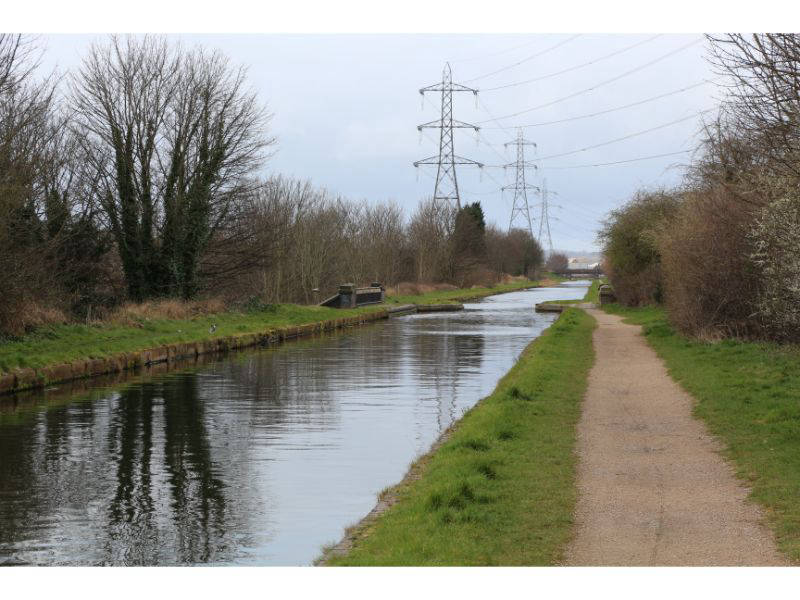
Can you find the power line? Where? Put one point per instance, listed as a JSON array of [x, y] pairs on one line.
[[493, 148], [620, 162], [526, 59], [574, 67], [492, 117], [561, 226], [584, 210], [506, 51], [597, 85], [581, 212], [609, 110], [472, 193], [626, 137], [490, 176], [619, 139]]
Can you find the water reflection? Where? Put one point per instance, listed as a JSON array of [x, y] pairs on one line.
[[259, 458]]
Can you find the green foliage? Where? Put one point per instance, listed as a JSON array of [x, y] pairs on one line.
[[467, 243], [747, 393], [475, 211], [630, 245], [501, 489], [255, 304]]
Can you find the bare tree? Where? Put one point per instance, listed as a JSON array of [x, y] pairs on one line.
[[763, 103], [28, 142], [173, 137], [429, 231], [18, 60], [557, 262]]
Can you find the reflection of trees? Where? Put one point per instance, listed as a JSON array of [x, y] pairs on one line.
[[446, 348], [167, 412], [130, 436], [288, 382], [33, 481], [154, 478], [198, 500], [17, 464]]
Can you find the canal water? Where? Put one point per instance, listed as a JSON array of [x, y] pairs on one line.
[[259, 458]]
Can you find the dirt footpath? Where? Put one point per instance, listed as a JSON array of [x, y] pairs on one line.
[[653, 489]]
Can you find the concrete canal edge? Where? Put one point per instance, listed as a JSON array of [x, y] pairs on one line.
[[28, 378], [549, 307], [406, 309]]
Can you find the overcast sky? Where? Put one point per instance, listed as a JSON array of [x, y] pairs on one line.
[[346, 109]]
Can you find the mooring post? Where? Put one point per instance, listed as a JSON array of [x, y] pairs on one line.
[[347, 295]]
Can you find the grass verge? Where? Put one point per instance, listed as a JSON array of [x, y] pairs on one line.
[[501, 489], [749, 396], [64, 343]]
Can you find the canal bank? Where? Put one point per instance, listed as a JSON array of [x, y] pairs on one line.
[[498, 488], [69, 352]]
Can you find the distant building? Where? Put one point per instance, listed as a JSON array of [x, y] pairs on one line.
[[581, 263]]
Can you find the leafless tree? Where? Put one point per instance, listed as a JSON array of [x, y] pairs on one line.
[[28, 142], [557, 262], [429, 231], [173, 137], [763, 93]]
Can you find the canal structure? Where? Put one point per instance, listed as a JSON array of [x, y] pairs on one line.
[[350, 296]]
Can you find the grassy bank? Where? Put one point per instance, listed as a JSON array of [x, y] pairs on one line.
[[463, 294], [500, 490], [749, 396], [64, 343]]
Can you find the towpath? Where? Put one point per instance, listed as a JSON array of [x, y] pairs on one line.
[[653, 488]]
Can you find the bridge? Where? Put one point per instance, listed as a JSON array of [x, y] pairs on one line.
[[580, 273]]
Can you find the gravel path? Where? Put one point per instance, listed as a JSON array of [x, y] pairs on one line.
[[653, 488]]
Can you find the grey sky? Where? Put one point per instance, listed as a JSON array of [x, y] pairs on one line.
[[346, 109]]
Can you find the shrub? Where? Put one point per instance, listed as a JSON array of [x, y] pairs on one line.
[[132, 314], [630, 244], [711, 283], [776, 240], [557, 263]]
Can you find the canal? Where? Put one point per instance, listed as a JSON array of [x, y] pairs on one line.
[[258, 458]]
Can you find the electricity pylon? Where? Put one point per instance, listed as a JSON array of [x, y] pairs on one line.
[[544, 219], [520, 204], [446, 182]]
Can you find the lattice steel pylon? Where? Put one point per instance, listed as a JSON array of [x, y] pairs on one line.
[[544, 219], [519, 206], [446, 181]]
